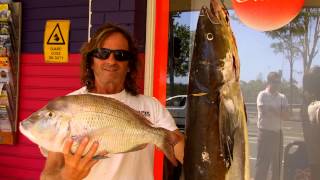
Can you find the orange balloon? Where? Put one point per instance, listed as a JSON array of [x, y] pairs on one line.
[[267, 15]]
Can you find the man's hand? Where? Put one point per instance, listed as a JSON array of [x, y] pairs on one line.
[[77, 167], [70, 166]]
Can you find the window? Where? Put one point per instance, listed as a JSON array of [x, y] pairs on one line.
[[260, 53]]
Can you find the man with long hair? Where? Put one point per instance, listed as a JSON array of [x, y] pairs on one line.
[[109, 68]]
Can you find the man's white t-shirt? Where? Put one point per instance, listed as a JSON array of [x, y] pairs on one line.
[[137, 165], [279, 102]]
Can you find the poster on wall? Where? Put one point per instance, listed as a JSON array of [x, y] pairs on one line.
[[10, 23]]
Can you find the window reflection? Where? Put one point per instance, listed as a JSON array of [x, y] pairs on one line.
[[291, 52]]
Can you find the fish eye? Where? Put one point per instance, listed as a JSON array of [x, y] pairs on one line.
[[50, 114], [210, 36]]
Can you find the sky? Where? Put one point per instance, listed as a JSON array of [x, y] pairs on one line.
[[255, 52]]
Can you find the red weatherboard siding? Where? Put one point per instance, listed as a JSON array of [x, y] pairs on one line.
[[39, 82]]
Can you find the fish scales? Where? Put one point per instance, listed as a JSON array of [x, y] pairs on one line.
[[115, 112], [117, 127], [216, 132]]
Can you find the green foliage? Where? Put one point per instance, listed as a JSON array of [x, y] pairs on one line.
[[181, 32], [251, 89], [286, 88], [298, 41], [179, 45], [178, 89]]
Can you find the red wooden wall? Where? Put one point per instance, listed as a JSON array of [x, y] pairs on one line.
[[39, 82]]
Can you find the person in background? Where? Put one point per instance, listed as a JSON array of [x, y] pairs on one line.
[[108, 68], [311, 85], [272, 110]]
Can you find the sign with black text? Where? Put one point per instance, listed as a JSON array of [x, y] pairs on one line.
[[56, 41]]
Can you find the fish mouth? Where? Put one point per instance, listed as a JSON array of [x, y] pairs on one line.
[[24, 130], [33, 138], [205, 11], [25, 124]]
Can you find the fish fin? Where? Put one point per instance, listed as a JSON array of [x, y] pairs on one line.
[[172, 138], [123, 106], [167, 145], [133, 111], [227, 128], [139, 147], [98, 157]]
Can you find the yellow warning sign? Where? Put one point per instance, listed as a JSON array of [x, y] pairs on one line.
[[56, 36], [56, 41]]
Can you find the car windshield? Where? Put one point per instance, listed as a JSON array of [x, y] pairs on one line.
[[178, 101]]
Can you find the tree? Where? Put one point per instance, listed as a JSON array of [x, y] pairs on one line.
[[251, 89], [179, 41], [287, 38], [298, 39], [309, 21], [301, 35]]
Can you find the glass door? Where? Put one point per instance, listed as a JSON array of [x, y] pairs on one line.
[[292, 52]]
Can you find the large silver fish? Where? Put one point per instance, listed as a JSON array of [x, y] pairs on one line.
[[117, 127], [216, 131]]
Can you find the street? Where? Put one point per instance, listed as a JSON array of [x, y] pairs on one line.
[[292, 131]]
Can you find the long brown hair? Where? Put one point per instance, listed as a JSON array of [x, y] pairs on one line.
[[87, 76]]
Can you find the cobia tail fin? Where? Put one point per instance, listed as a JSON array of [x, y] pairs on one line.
[[167, 143]]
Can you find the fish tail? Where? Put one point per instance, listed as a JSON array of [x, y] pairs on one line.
[[167, 143]]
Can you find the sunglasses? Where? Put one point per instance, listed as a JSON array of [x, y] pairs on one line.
[[104, 53]]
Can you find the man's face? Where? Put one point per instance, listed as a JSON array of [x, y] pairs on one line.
[[109, 71], [275, 84]]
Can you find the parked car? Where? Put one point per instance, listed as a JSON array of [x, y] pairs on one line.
[[177, 106]]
